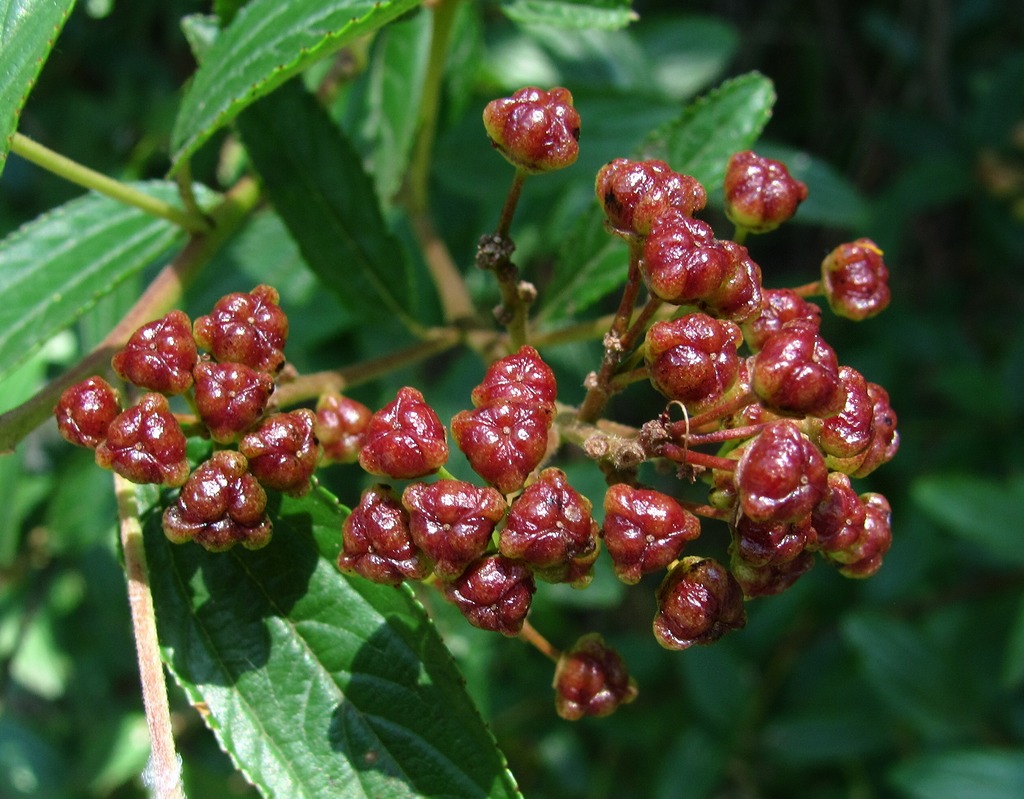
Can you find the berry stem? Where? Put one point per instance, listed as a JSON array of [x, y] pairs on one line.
[[160, 296], [511, 201], [730, 406], [685, 455], [623, 379], [164, 769], [678, 429], [739, 234], [62, 166], [535, 639], [707, 511], [809, 289]]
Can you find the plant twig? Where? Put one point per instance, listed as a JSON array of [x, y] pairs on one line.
[[163, 774], [81, 175]]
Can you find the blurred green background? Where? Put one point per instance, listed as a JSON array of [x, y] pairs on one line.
[[907, 121]]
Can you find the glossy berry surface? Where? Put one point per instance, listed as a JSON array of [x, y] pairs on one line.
[[503, 441], [771, 578], [85, 411], [839, 518], [160, 355], [796, 372], [405, 439], [848, 433], [220, 505], [549, 525], [856, 280], [780, 307], [230, 397], [862, 557], [452, 522], [283, 451], [760, 194], [739, 297], [534, 129], [781, 475], [699, 601], [520, 378], [247, 328], [591, 679], [494, 593], [693, 359], [340, 428], [145, 444], [634, 194], [883, 442], [682, 261], [771, 543], [376, 542], [644, 530]]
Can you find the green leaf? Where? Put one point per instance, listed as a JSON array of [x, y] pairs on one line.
[[317, 184], [316, 684], [713, 127], [57, 266], [571, 13], [28, 31], [266, 43], [978, 774], [984, 512]]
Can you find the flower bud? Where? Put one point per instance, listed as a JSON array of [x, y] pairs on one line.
[[535, 130], [591, 679], [856, 280], [760, 194], [699, 601]]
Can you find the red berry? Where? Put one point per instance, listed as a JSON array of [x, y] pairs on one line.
[[548, 526], [693, 359], [781, 475], [848, 433], [682, 261], [634, 194], [796, 372], [519, 378], [219, 506], [376, 542], [494, 593], [863, 556], [739, 297], [644, 530], [85, 411], [283, 451], [699, 601], [856, 280], [404, 439], [341, 424], [838, 520], [160, 356], [504, 441], [884, 438], [145, 444], [452, 522], [536, 130], [780, 307], [246, 328], [760, 194], [591, 679], [230, 397], [771, 578], [760, 544]]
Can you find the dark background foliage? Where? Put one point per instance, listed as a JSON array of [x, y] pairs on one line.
[[908, 684]]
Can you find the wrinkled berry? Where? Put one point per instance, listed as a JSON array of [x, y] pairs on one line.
[[796, 372], [376, 542], [848, 433], [760, 194], [85, 411], [549, 525], [856, 280], [591, 679], [699, 601], [340, 428], [452, 522], [160, 356], [404, 439], [535, 130], [518, 378], [635, 193], [838, 519], [884, 438], [739, 297], [504, 441], [283, 451], [145, 444], [230, 397], [644, 530], [771, 543], [246, 328], [682, 261], [771, 578], [220, 505], [781, 475], [780, 307], [693, 359], [494, 593], [863, 556]]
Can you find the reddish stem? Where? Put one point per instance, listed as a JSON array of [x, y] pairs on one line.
[[809, 289], [687, 456]]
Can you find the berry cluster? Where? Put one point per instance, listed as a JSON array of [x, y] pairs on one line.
[[224, 367]]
